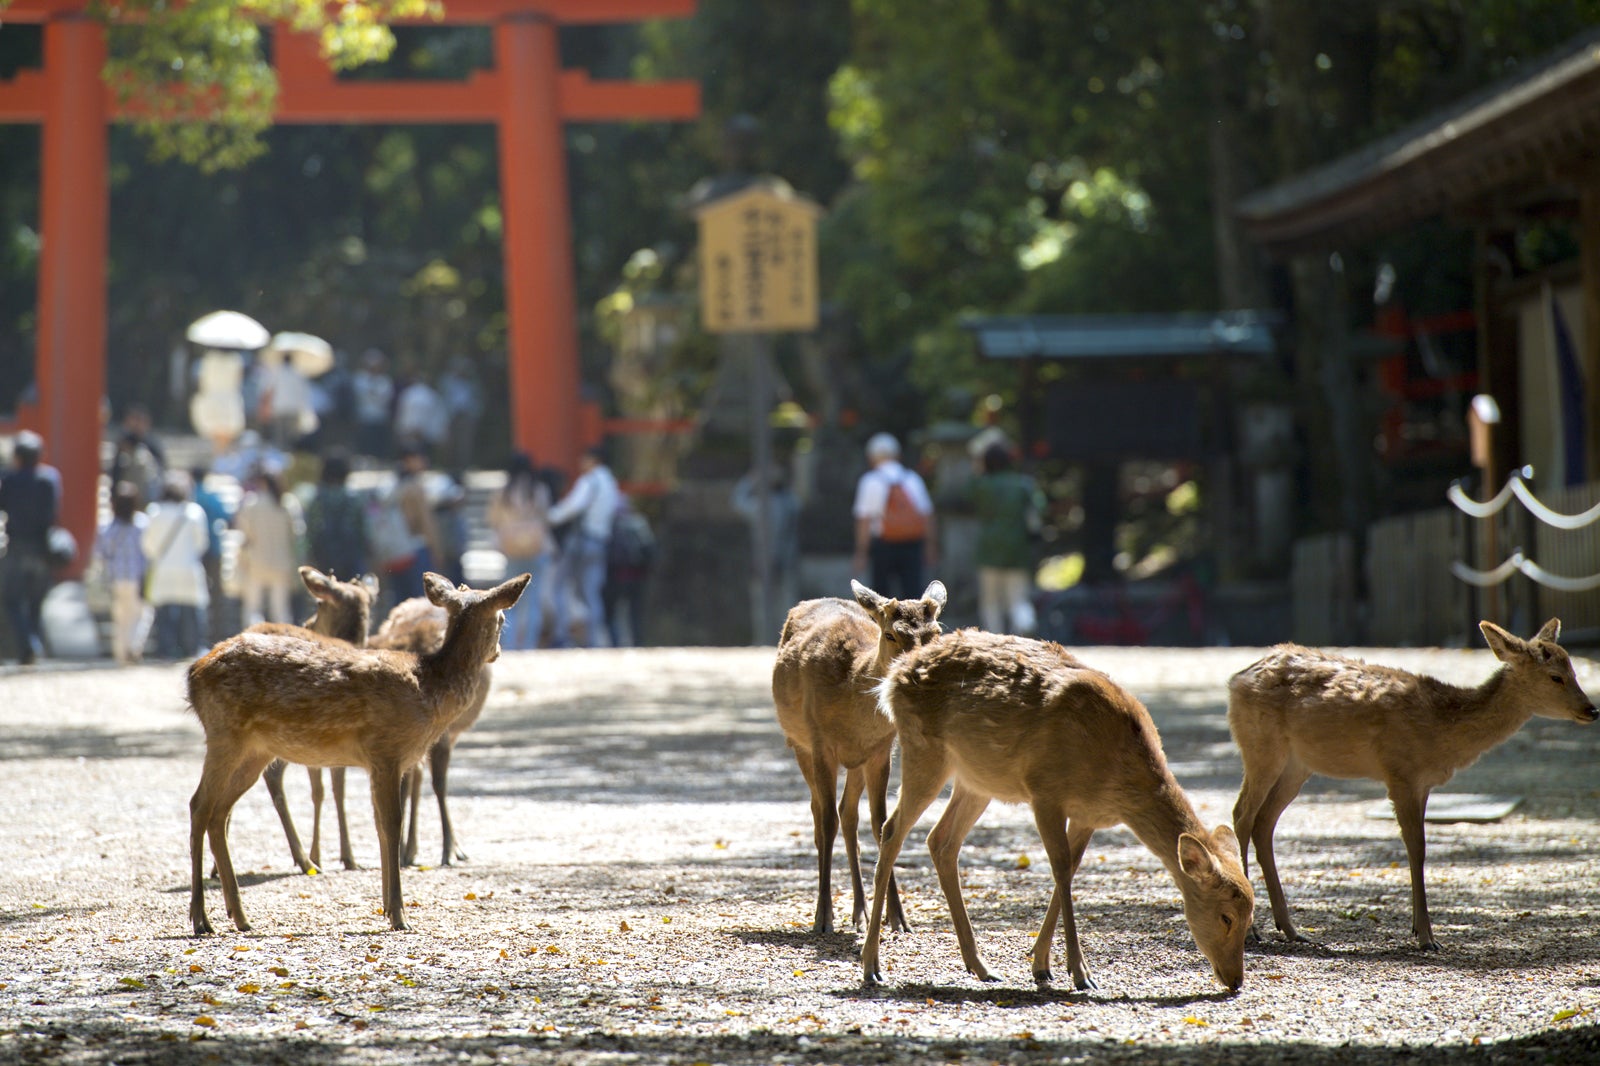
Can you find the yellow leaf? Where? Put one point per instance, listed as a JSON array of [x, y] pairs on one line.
[[190, 951], [131, 982], [279, 971], [734, 1013], [503, 954], [722, 845], [1192, 1020], [1570, 1012], [206, 1020], [799, 973], [195, 967], [625, 927], [301, 1023], [1023, 862], [241, 947], [372, 958], [248, 988], [666, 920], [209, 1000], [554, 950], [470, 895]]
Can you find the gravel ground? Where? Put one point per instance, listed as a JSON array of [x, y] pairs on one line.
[[641, 881]]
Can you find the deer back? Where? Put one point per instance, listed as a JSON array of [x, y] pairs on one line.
[[1020, 718]]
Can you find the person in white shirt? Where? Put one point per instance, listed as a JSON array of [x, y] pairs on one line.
[[896, 534], [591, 503]]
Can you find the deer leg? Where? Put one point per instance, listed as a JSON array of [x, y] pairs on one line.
[[439, 774], [347, 857], [386, 799], [923, 772], [1264, 762], [850, 828], [272, 777], [235, 784], [314, 775], [410, 792], [1283, 793], [1077, 840], [1410, 804], [821, 776], [877, 771], [214, 776], [944, 843]]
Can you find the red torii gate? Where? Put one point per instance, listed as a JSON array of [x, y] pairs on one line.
[[527, 96]]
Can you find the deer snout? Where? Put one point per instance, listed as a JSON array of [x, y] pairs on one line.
[[1231, 981], [1585, 715]]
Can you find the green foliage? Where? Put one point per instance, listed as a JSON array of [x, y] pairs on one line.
[[198, 74]]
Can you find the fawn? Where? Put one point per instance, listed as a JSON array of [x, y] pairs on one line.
[[831, 655], [416, 625], [344, 612], [1296, 712], [1023, 721], [261, 696]]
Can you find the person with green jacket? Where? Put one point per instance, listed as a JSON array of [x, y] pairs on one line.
[[1008, 506]]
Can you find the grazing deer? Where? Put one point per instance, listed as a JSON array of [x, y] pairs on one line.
[[1296, 712], [418, 626], [261, 696], [831, 655], [1022, 721], [344, 612]]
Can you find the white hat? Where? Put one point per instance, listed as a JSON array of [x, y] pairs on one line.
[[882, 446]]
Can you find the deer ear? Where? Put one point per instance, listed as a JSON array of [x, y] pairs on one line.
[[935, 594], [866, 597], [438, 588], [1222, 838], [1196, 860], [1551, 631], [1503, 644], [316, 582], [505, 594]]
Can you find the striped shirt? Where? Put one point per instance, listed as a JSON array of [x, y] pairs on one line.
[[117, 548]]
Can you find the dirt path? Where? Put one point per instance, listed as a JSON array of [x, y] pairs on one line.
[[640, 890]]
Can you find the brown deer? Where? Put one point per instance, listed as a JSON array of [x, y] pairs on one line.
[[831, 655], [1022, 721], [261, 696], [344, 612], [418, 626], [1296, 712]]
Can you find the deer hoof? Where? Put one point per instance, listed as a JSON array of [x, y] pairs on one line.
[[1085, 984], [871, 978], [1043, 977]]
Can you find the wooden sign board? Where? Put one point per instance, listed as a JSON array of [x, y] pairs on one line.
[[758, 262]]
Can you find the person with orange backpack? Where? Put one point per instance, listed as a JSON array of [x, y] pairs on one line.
[[895, 531]]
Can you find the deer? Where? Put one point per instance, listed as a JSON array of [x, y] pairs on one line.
[[1023, 721], [416, 625], [831, 655], [1296, 711], [261, 696], [344, 613]]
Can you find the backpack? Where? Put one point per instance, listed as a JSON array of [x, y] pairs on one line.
[[390, 544], [902, 522], [632, 545]]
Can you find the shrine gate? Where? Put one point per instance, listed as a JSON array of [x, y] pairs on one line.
[[527, 96]]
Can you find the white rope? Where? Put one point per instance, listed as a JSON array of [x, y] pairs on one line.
[[1547, 516], [1487, 578], [1544, 577], [1519, 563], [1480, 510]]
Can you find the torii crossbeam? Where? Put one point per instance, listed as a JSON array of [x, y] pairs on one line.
[[527, 96]]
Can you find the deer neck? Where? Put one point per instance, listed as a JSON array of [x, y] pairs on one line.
[[449, 674], [1160, 812], [880, 658], [1484, 716]]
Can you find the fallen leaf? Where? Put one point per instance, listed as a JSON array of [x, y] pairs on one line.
[[195, 967], [470, 895], [241, 947], [625, 927], [1023, 862], [665, 920], [730, 1012], [554, 950], [206, 1020], [1190, 1019], [376, 1007], [722, 845], [301, 1023], [249, 988], [279, 971], [1570, 1012], [131, 982]]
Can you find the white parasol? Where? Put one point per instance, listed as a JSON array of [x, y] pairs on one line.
[[227, 329], [310, 355]]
